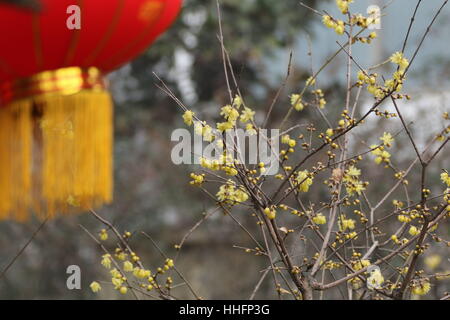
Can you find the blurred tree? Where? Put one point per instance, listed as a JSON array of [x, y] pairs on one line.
[[253, 30]]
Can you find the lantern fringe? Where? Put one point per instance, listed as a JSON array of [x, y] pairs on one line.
[[55, 154]]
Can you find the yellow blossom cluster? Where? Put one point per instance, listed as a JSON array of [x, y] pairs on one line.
[[320, 97], [286, 139], [204, 130], [197, 179], [351, 235], [310, 81], [447, 199], [367, 39], [363, 22], [345, 223], [343, 5], [330, 265], [119, 281], [270, 213], [408, 216], [390, 85], [399, 59], [133, 266], [229, 193], [421, 288], [319, 219], [106, 261], [103, 235], [352, 183], [250, 129], [303, 180], [247, 115], [445, 177], [224, 163], [413, 230], [379, 151], [296, 102], [371, 81], [337, 25], [188, 117], [359, 264], [230, 113]]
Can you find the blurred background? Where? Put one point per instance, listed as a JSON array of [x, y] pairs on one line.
[[153, 195]]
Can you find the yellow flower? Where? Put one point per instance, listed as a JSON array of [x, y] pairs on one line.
[[270, 213], [250, 129], [422, 288], [169, 263], [310, 81], [292, 143], [237, 102], [229, 113], [198, 127], [123, 290], [413, 231], [141, 273], [188, 117], [106, 261], [303, 180], [319, 219], [387, 139], [345, 224], [117, 282], [353, 171], [340, 27], [230, 194], [285, 139], [224, 126], [343, 5], [197, 179], [127, 266], [322, 103], [296, 102], [400, 60], [115, 273], [358, 265], [247, 115], [382, 155], [95, 286], [204, 130], [445, 178], [103, 235], [328, 21], [121, 255], [329, 132]]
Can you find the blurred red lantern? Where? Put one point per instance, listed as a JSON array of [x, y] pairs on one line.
[[55, 112]]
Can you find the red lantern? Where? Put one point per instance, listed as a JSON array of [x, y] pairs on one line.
[[55, 111]]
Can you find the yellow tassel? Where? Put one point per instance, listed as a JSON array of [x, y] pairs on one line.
[[15, 160], [56, 154]]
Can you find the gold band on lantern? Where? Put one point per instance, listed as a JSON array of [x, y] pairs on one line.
[[65, 81]]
